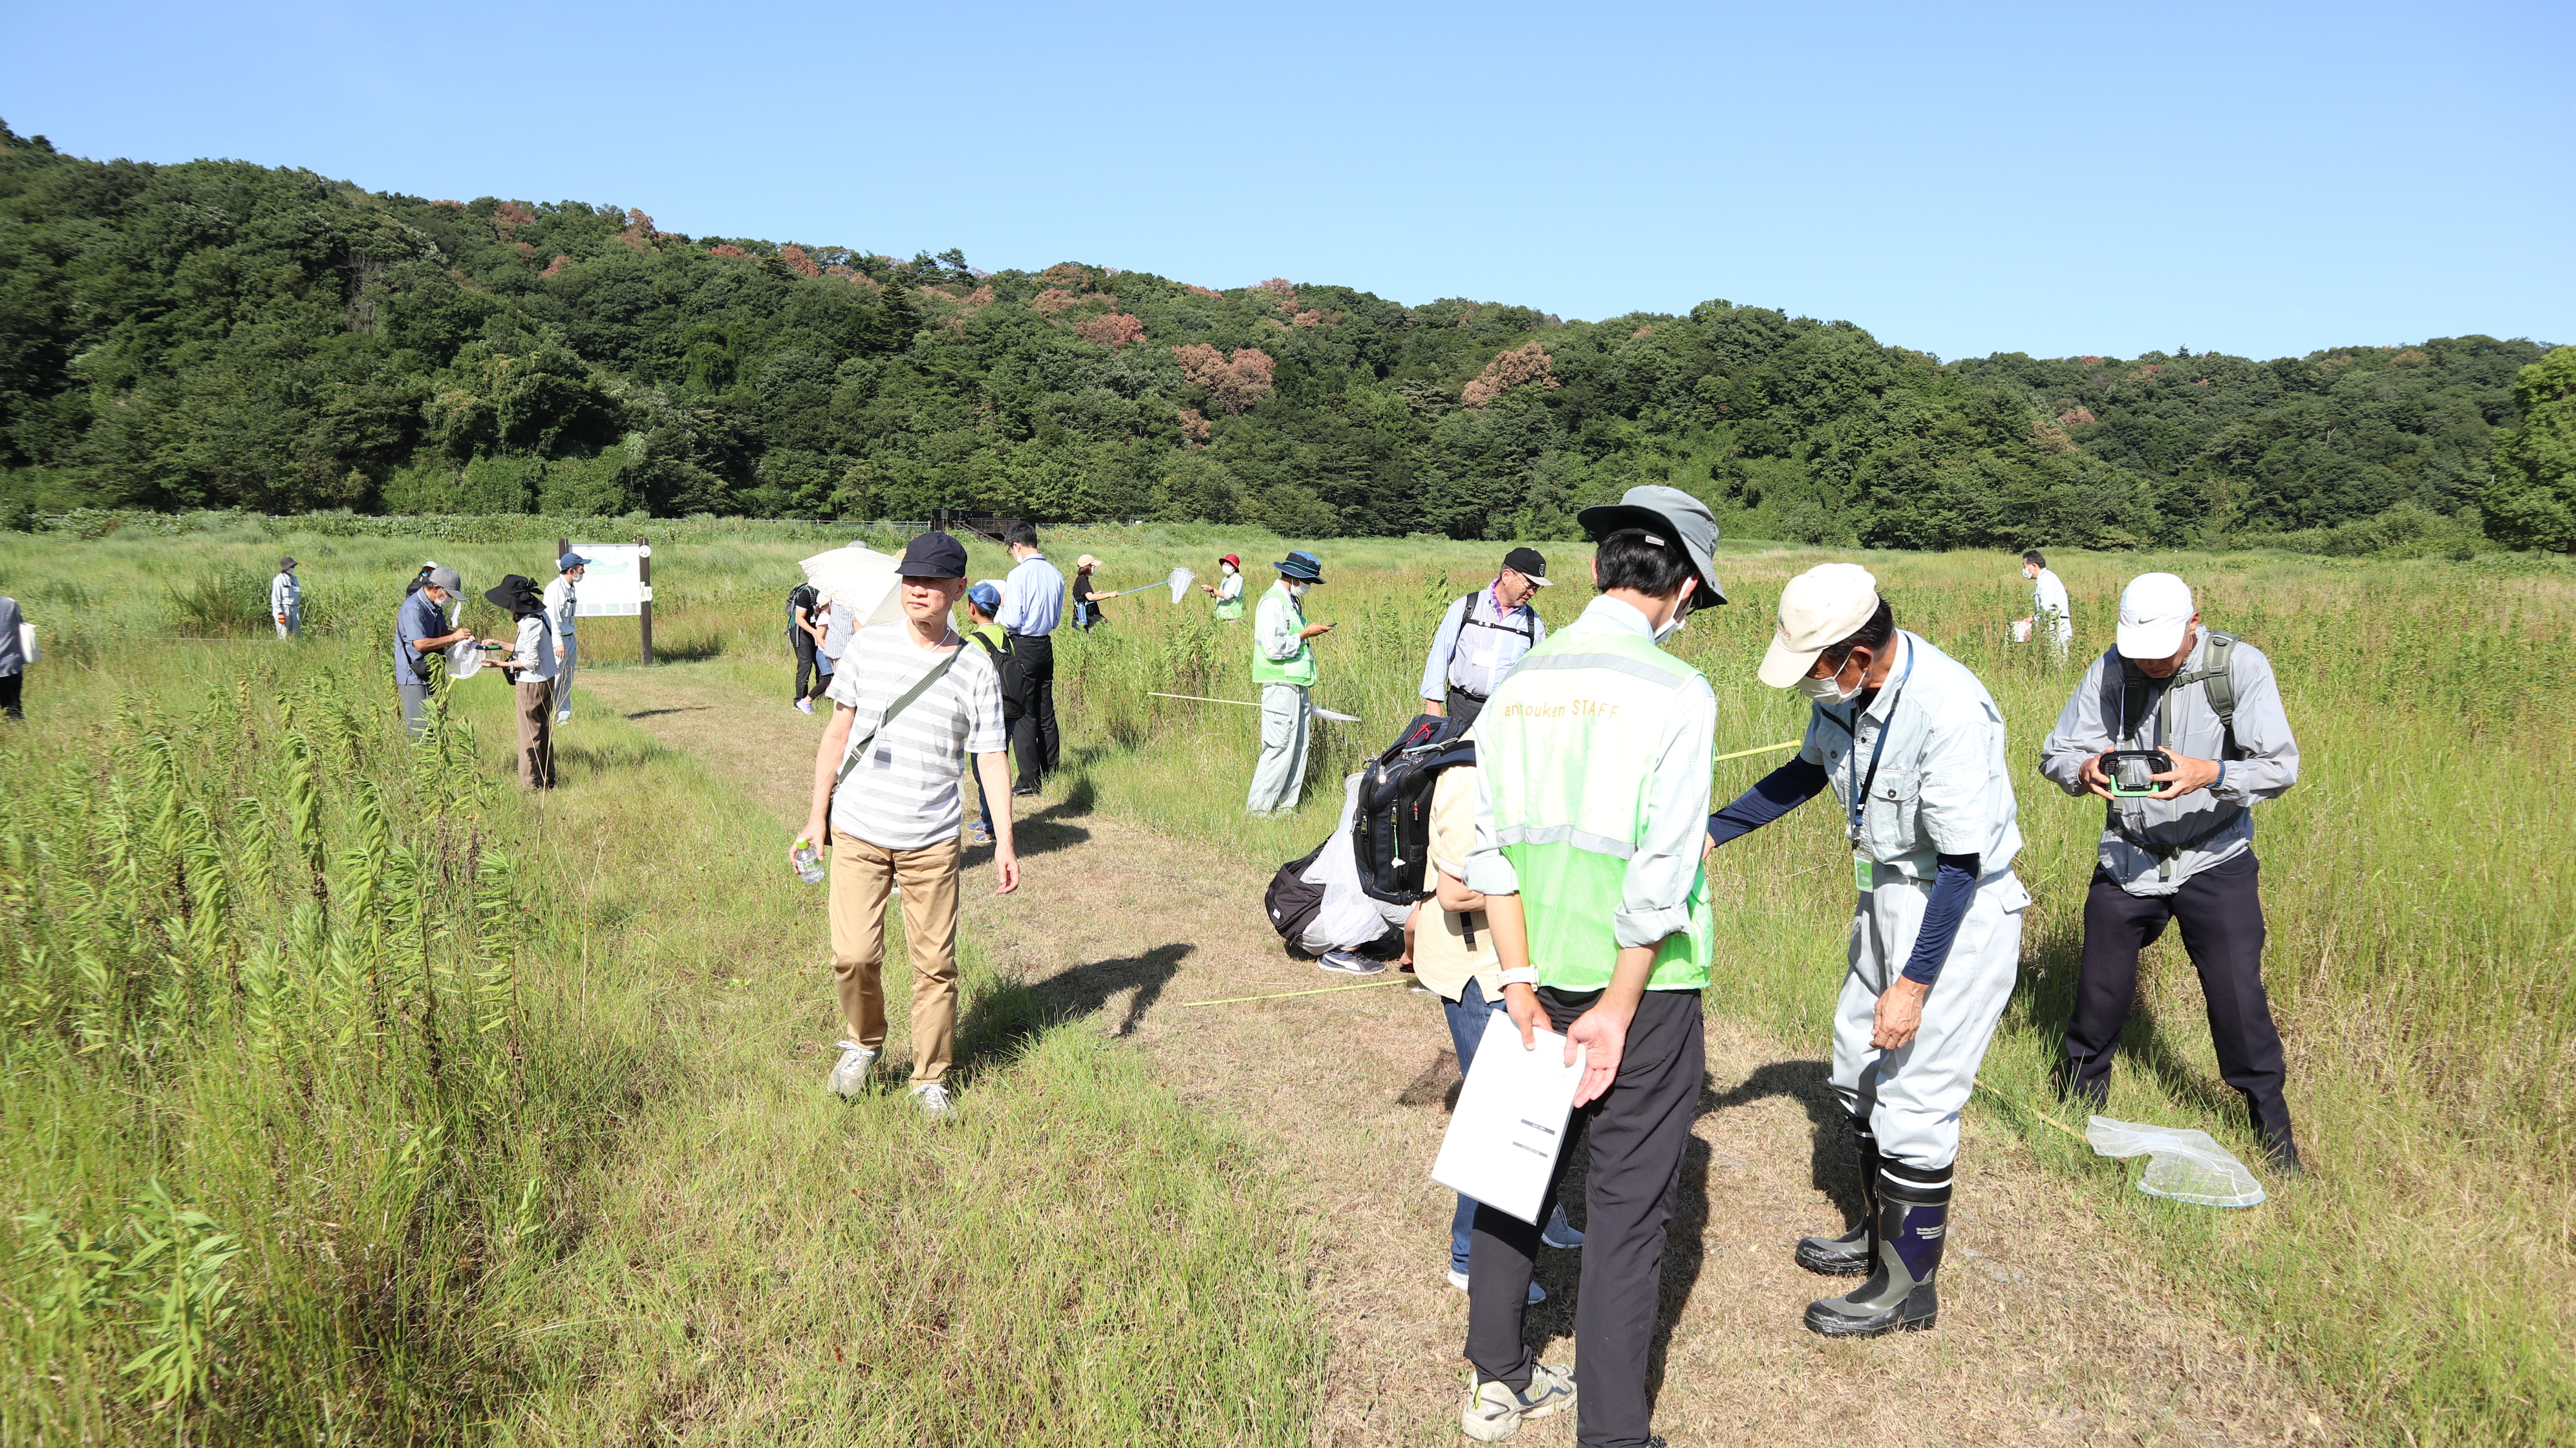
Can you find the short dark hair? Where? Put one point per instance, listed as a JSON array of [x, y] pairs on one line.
[[2031, 555], [1650, 563], [1872, 636], [1020, 535]]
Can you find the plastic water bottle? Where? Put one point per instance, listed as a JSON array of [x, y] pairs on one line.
[[809, 862]]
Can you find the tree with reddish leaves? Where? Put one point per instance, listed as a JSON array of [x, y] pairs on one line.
[[1236, 384], [509, 216], [726, 248], [798, 262], [1115, 330], [1195, 428], [1509, 369], [1281, 289], [1052, 301]]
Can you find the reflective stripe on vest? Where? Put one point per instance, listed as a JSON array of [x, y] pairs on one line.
[[1567, 747], [1299, 670]]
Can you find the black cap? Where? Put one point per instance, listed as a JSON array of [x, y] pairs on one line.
[[933, 555], [1528, 564]]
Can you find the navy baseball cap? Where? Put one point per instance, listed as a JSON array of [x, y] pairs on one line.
[[933, 555], [569, 562]]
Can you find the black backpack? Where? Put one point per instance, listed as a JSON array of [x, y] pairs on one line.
[[1013, 673], [802, 596], [1392, 835], [1290, 900]]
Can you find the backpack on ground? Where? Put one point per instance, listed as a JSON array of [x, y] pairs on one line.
[[1291, 902], [1392, 834]]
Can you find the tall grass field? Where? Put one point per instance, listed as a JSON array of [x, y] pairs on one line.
[[355, 1096]]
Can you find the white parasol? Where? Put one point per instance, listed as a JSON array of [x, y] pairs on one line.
[[861, 580]]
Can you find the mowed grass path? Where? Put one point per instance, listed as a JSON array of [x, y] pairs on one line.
[[2052, 1329]]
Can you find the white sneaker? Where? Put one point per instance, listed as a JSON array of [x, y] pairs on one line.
[[850, 1076], [1495, 1412], [932, 1098], [1559, 1233], [1458, 1280]]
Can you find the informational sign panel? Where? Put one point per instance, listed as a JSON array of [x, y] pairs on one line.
[[613, 585]]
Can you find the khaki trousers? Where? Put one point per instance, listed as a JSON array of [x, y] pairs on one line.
[[862, 876], [536, 733]]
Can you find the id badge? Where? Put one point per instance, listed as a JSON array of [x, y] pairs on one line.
[[1862, 872]]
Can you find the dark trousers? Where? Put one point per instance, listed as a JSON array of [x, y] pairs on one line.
[[1037, 661], [803, 643], [1636, 1134], [12, 687], [2221, 914], [1463, 706]]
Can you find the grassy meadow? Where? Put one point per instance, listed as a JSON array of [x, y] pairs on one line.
[[445, 1069], [357, 1097]]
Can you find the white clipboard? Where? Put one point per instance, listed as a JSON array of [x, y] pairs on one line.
[[1510, 1124]]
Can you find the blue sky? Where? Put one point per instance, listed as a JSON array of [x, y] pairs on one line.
[[2263, 179]]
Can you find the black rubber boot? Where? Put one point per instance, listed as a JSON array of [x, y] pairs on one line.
[[1852, 1253], [1913, 1223]]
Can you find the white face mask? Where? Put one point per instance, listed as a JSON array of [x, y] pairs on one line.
[[1681, 612], [1226, 568], [1298, 590], [1830, 691]]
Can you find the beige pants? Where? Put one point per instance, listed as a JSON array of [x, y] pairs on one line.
[[862, 876], [536, 733]]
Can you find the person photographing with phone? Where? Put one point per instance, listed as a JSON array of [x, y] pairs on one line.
[[1283, 664], [2179, 730], [910, 702]]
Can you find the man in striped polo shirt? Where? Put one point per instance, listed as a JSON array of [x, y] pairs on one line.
[[909, 704]]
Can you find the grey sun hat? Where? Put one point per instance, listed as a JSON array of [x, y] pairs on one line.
[[1659, 509]]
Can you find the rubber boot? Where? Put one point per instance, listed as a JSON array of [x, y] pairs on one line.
[[1913, 1219], [1852, 1253]]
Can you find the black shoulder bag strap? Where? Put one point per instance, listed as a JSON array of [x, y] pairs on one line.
[[859, 747]]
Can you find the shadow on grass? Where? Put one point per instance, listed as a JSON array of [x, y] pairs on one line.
[[1003, 1014], [1041, 833], [586, 761], [674, 709], [2044, 1002], [1833, 1166]]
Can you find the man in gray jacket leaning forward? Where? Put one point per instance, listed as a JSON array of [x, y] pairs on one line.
[[2186, 851]]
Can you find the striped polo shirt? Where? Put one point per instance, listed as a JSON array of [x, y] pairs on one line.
[[904, 794]]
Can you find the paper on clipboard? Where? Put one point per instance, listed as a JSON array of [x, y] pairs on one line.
[[1510, 1123]]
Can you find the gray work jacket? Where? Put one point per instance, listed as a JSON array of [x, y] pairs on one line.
[[13, 660], [2265, 766]]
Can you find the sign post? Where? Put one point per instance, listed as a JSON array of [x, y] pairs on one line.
[[619, 584]]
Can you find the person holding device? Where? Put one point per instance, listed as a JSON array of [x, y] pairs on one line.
[[910, 704], [2179, 730], [1591, 813], [1912, 746], [1283, 664]]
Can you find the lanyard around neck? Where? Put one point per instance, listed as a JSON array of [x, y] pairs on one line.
[[1861, 785]]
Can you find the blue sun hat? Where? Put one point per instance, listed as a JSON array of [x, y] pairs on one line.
[[1302, 566]]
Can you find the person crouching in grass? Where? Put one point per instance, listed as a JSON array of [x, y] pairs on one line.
[[910, 702]]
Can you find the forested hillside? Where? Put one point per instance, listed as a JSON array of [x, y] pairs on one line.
[[218, 334]]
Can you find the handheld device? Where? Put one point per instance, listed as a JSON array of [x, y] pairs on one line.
[[2129, 770]]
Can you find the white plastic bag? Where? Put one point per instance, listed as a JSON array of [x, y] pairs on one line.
[[2188, 1166], [2021, 631], [27, 641]]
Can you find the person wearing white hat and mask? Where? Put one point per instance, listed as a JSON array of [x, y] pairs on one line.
[[1591, 803], [1912, 747], [2186, 851]]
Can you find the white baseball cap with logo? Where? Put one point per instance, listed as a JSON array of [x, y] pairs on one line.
[[2155, 609], [1819, 609]]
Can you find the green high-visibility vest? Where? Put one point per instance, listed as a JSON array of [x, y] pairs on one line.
[[1567, 746], [1299, 670]]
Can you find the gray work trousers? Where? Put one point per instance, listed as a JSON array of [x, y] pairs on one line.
[[1636, 1134], [288, 624], [415, 699], [1286, 723], [567, 647]]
